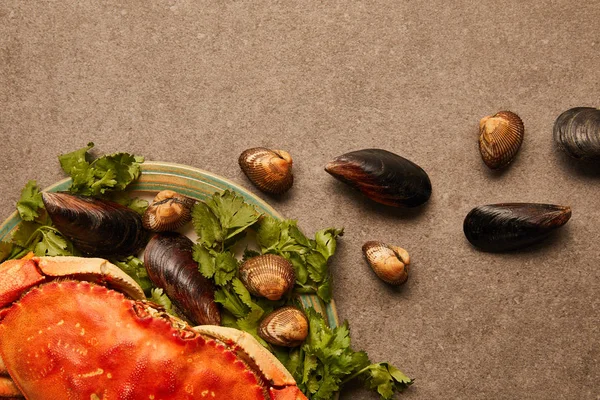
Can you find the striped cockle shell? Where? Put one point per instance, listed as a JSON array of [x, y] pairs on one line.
[[390, 263], [268, 275], [169, 211], [286, 326], [269, 170], [500, 137]]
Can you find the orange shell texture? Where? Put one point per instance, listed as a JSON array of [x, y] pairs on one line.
[[77, 340], [500, 138]]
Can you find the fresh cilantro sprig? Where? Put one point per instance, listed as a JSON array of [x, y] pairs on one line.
[[309, 256], [94, 177], [326, 361], [134, 267], [35, 232], [219, 223]]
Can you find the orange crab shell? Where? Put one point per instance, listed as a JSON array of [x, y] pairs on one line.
[[70, 339]]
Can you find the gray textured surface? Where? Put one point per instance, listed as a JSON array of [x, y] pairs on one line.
[[198, 82]]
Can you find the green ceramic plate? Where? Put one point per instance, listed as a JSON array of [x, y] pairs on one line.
[[193, 182]]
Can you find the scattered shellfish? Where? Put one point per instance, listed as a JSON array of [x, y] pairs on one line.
[[577, 132], [96, 227], [500, 138], [382, 176], [269, 170], [286, 326], [390, 263], [268, 275], [509, 226], [168, 212], [170, 265]]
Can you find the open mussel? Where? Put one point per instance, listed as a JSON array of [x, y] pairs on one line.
[[390, 263], [269, 170], [509, 226], [96, 227], [170, 265], [382, 176], [169, 211], [500, 138], [268, 275], [577, 132], [286, 326]]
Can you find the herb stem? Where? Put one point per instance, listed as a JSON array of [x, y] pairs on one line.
[[348, 379]]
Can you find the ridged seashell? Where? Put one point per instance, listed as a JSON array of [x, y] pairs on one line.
[[577, 132], [390, 263], [269, 170], [500, 138], [170, 265], [268, 275], [382, 176], [509, 226], [168, 212], [286, 326], [96, 227]]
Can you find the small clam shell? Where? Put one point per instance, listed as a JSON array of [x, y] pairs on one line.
[[510, 226], [269, 170], [382, 176], [168, 212], [286, 326], [577, 132], [390, 263], [500, 137], [268, 275]]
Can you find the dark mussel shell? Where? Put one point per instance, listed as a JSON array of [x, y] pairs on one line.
[[577, 132], [170, 265], [383, 176], [96, 227], [510, 226]]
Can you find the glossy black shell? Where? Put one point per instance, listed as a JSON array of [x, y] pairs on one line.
[[382, 176], [98, 228], [577, 132], [510, 226], [170, 266]]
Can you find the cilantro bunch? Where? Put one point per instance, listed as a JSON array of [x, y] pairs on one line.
[[326, 360]]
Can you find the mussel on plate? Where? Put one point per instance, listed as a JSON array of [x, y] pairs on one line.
[[286, 326], [99, 228], [510, 226], [500, 138], [270, 170], [577, 132], [382, 176], [170, 265]]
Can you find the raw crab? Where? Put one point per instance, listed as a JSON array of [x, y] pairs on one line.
[[90, 335]]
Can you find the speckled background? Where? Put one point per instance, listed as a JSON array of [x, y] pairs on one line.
[[196, 83]]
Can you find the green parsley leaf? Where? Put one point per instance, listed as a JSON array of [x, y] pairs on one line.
[[231, 302], [205, 260], [108, 173], [226, 266], [30, 202], [233, 213], [52, 243], [206, 224], [159, 297], [251, 322], [134, 267]]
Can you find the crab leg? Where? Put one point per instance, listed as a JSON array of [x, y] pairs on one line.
[[8, 388]]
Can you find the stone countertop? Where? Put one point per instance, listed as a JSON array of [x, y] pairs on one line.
[[197, 83]]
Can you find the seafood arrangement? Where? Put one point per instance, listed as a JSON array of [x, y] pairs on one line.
[[166, 318]]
